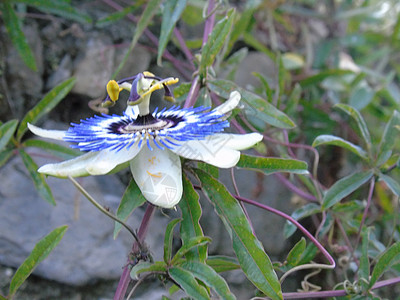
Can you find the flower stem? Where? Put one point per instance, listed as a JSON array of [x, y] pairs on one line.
[[125, 277], [103, 210]]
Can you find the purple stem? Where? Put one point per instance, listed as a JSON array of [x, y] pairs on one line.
[[296, 223], [209, 25], [295, 189], [125, 277], [184, 48], [371, 191], [193, 93], [177, 63]]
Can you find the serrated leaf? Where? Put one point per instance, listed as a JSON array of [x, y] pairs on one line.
[[388, 258], [56, 149], [6, 132], [393, 185], [188, 283], [50, 100], [41, 250], [304, 211], [215, 42], [132, 199], [144, 21], [60, 8], [37, 178], [344, 187], [255, 105], [168, 239], [17, 36], [146, 266], [190, 224], [192, 243], [221, 263], [390, 134], [254, 261], [270, 165], [211, 278], [295, 254], [173, 10], [337, 141], [360, 122]]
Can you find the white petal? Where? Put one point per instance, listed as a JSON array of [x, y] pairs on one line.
[[212, 150], [238, 141], [50, 134], [107, 160], [75, 167], [230, 104], [91, 163], [158, 174], [132, 111]]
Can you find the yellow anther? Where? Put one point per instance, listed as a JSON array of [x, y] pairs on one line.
[[155, 87], [147, 73], [113, 90], [169, 99], [170, 81]]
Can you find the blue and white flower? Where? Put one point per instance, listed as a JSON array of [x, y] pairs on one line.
[[150, 143]]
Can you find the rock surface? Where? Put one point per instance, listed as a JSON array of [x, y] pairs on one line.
[[87, 252]]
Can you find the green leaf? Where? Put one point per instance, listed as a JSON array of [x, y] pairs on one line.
[[270, 165], [17, 36], [211, 278], [390, 134], [295, 254], [315, 79], [173, 10], [38, 179], [393, 185], [361, 125], [337, 141], [388, 258], [168, 239], [144, 21], [255, 105], [50, 100], [345, 187], [308, 254], [194, 242], [210, 169], [188, 283], [6, 132], [5, 156], [56, 149], [106, 21], [221, 263], [190, 224], [254, 261], [41, 250], [363, 271], [132, 199], [215, 42], [146, 266], [60, 8], [304, 211]]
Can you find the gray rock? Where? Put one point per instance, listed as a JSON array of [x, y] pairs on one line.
[[259, 63], [87, 252], [138, 61], [63, 72], [93, 68]]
